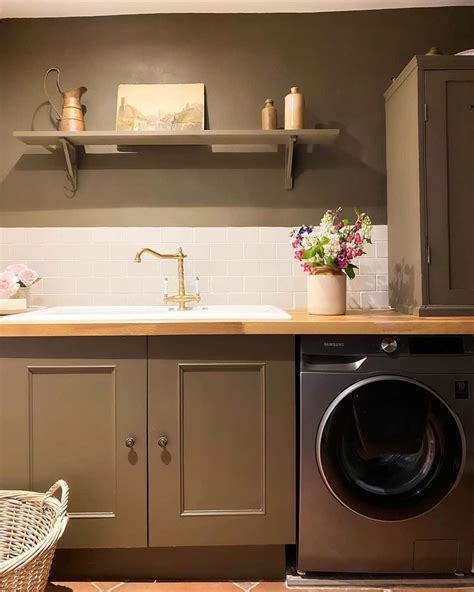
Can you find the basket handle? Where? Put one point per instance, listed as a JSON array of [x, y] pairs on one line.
[[63, 500]]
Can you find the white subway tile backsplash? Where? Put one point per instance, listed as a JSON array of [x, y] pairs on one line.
[[292, 284], [260, 284], [245, 298], [379, 232], [274, 268], [362, 282], [58, 252], [271, 234], [373, 265], [374, 299], [220, 285], [381, 249], [236, 265], [242, 234], [243, 268], [283, 300], [382, 283], [94, 286], [353, 299], [260, 251], [208, 235], [230, 252]]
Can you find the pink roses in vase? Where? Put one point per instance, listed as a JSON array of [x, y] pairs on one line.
[[14, 277]]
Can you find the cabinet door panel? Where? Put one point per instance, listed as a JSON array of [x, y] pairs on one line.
[[68, 406], [226, 406], [222, 429], [62, 402], [450, 185]]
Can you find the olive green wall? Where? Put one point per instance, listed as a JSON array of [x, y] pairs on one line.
[[342, 61]]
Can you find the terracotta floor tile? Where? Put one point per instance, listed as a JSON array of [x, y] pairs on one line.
[[178, 587], [270, 587], [71, 587]]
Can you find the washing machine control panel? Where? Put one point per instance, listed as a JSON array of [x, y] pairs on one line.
[[389, 345]]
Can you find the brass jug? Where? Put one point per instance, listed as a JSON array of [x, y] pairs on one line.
[[71, 117]]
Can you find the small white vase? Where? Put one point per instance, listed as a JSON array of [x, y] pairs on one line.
[[327, 292]]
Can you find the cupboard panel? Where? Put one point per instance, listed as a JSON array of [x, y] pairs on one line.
[[68, 406], [449, 185], [222, 432], [226, 406]]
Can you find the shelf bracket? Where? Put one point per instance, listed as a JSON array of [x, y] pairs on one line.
[[290, 149], [70, 159]]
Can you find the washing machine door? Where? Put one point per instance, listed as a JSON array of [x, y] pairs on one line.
[[390, 448]]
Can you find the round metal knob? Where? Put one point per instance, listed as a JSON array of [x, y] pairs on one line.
[[130, 442], [389, 345], [162, 442]]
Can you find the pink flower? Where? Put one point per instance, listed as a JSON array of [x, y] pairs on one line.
[[357, 239], [342, 262], [16, 268], [28, 277], [8, 284]]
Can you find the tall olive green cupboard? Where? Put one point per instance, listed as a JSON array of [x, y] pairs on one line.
[[430, 186]]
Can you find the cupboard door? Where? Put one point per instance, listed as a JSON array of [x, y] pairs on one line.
[[226, 406], [449, 96], [68, 406]]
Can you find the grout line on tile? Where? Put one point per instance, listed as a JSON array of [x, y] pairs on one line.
[[116, 586], [238, 586]]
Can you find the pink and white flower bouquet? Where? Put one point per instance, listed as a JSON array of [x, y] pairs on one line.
[[14, 277], [334, 245]]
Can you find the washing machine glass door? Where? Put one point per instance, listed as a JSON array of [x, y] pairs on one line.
[[390, 448]]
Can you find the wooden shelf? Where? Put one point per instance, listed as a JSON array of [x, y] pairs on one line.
[[69, 142]]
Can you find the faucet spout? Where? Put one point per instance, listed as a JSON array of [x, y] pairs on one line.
[[181, 299], [178, 255]]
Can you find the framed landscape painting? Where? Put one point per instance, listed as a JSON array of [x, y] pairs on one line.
[[154, 107]]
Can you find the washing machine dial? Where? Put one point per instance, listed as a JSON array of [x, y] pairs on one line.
[[389, 345]]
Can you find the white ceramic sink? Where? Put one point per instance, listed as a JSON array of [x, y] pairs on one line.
[[148, 314]]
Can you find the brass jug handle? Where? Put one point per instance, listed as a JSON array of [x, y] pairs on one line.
[[57, 84]]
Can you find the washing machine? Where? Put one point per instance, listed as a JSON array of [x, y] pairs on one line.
[[385, 454]]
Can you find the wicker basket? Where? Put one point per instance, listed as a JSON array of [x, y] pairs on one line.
[[31, 525]]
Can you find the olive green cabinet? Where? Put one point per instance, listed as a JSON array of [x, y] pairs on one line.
[[221, 440], [195, 448], [430, 180], [67, 408]]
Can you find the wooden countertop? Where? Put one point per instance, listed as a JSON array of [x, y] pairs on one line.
[[353, 323]]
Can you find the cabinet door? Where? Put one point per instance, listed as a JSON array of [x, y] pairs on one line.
[[226, 406], [68, 405], [449, 96]]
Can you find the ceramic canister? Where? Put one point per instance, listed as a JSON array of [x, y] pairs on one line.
[[269, 116], [327, 293], [294, 109]]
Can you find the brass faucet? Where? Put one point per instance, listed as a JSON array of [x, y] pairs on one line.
[[181, 298]]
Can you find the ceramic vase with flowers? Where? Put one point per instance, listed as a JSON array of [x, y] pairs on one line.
[[15, 283], [327, 255]]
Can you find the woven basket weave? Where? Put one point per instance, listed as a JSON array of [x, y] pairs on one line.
[[31, 525]]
